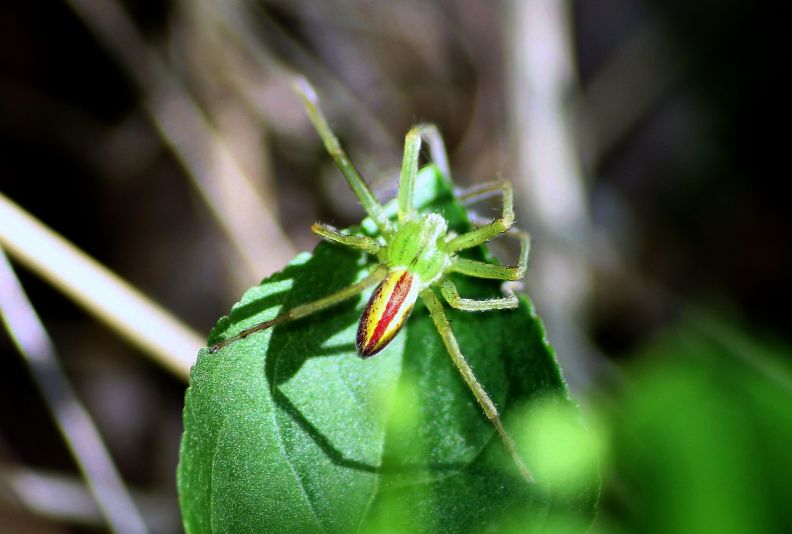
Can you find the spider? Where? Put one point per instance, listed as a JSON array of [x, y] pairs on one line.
[[414, 254]]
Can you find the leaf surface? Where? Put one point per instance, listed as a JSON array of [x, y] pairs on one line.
[[289, 430]]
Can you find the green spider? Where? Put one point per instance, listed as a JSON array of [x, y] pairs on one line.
[[414, 253]]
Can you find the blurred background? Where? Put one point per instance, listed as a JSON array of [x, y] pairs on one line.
[[162, 139]]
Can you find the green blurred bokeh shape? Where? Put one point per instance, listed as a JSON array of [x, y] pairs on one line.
[[701, 438]]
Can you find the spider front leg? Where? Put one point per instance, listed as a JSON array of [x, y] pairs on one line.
[[496, 227], [449, 340], [367, 199], [374, 277], [480, 269], [412, 151], [364, 243]]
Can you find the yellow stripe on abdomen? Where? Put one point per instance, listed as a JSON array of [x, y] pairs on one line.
[[386, 312]]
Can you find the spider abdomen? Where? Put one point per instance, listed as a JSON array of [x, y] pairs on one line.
[[387, 311]]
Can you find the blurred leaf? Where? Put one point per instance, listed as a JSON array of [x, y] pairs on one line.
[[563, 453], [289, 431], [702, 439]]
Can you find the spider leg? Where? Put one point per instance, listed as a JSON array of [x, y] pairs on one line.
[[475, 193], [412, 150], [373, 278], [450, 293], [449, 340], [496, 227], [367, 199], [437, 150], [363, 243], [480, 269]]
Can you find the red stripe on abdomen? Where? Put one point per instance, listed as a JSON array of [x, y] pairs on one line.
[[395, 302]]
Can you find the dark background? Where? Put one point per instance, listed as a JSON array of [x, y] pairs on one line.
[[685, 210]]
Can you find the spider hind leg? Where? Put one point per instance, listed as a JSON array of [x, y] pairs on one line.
[[451, 295], [482, 398]]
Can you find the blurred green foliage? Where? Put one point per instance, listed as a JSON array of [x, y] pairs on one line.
[[700, 439]]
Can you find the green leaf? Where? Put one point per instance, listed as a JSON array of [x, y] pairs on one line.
[[289, 430]]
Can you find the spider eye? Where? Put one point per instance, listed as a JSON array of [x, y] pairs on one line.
[[386, 312]]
